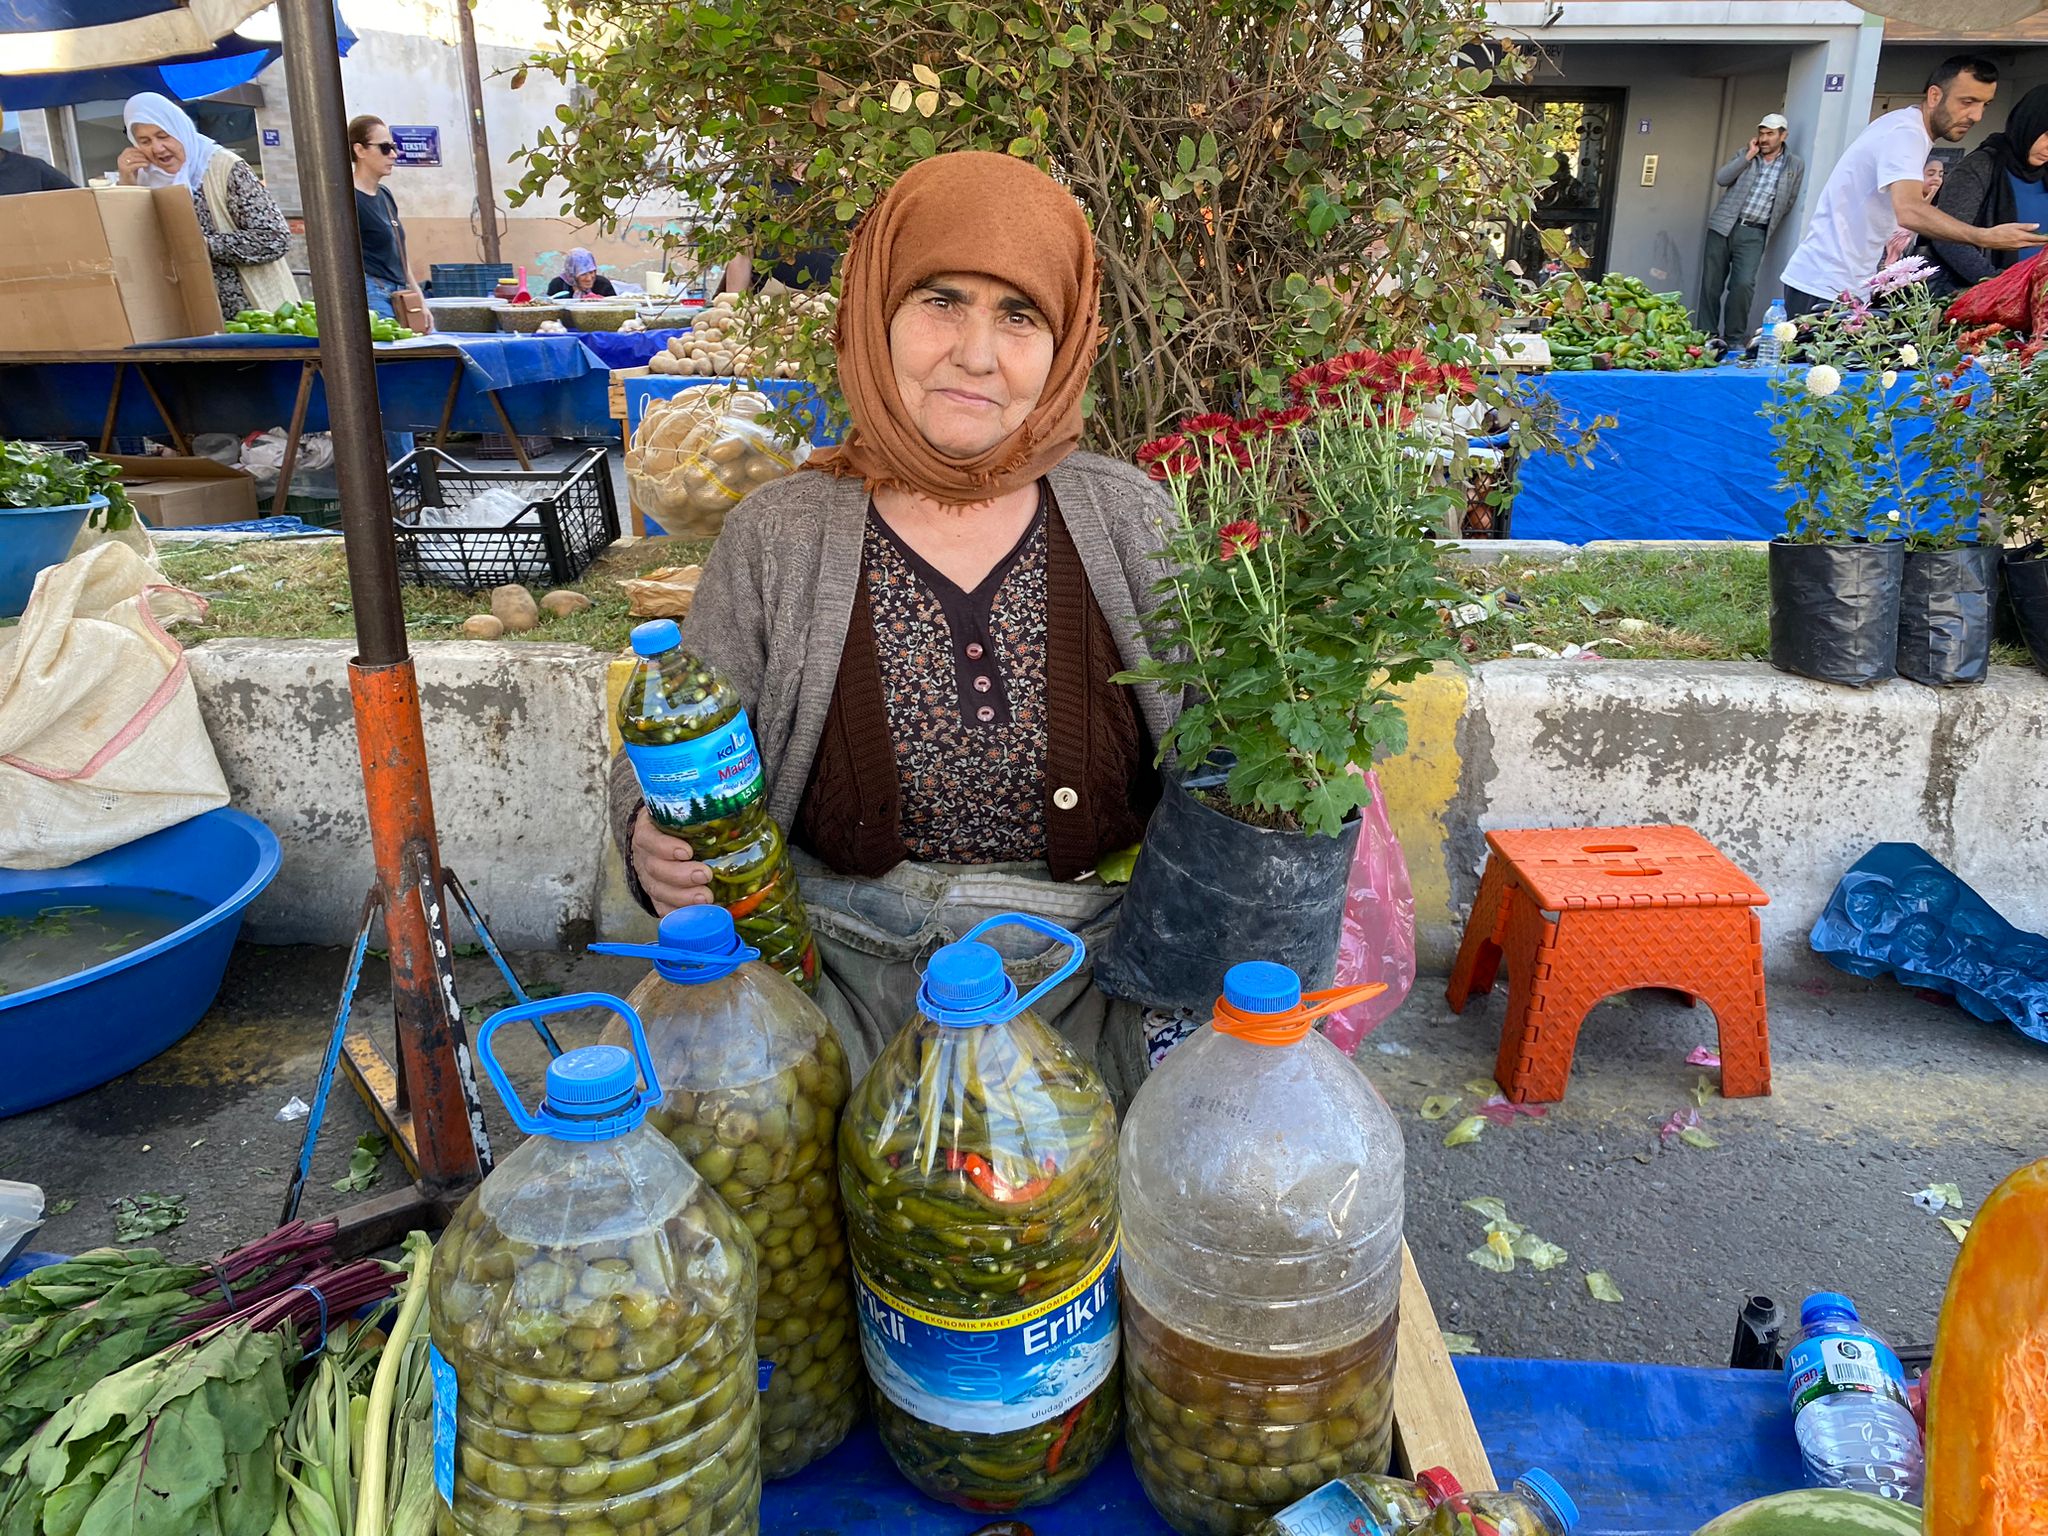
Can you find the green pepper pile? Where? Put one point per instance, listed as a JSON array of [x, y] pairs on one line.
[[303, 319], [1223, 1440], [605, 1388], [676, 698], [768, 1147], [1618, 323], [979, 1168]]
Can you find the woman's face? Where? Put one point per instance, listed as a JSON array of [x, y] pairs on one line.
[[584, 281], [164, 151], [971, 356], [380, 155], [2037, 153]]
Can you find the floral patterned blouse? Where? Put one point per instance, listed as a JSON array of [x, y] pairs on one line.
[[260, 234], [963, 681]]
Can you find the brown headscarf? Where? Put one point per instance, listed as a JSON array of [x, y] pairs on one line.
[[968, 212]]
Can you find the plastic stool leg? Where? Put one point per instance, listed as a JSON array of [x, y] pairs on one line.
[[1545, 1008], [1478, 962], [1743, 1015]]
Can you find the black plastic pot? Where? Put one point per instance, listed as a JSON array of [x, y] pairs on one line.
[[1835, 610], [2026, 589], [1946, 603], [1210, 890]]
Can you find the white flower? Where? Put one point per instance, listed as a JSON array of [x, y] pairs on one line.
[[1909, 355], [1785, 333], [1822, 380], [1888, 378], [1891, 517]]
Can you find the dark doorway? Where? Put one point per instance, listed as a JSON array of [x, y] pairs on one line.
[[1582, 129]]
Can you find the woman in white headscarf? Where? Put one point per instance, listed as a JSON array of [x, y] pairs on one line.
[[245, 230]]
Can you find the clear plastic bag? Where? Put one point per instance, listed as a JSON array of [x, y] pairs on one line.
[[1378, 942], [696, 454]]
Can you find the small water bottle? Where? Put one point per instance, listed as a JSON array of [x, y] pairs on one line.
[[1767, 344], [1849, 1405]]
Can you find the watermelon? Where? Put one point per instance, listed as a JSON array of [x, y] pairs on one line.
[[1817, 1512]]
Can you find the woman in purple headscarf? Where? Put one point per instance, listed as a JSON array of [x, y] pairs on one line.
[[580, 279]]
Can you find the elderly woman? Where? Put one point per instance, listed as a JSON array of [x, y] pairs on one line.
[[579, 278], [245, 231], [926, 621]]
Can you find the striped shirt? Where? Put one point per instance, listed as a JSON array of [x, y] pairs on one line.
[[1763, 189]]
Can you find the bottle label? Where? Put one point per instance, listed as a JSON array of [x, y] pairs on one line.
[[442, 1377], [990, 1375], [1843, 1362], [1332, 1510], [687, 782]]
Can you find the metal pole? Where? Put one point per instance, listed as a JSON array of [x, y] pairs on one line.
[[434, 1071], [479, 142]]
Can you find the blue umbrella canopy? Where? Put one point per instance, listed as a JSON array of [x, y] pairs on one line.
[[60, 52]]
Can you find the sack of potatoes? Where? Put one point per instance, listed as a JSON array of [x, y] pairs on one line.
[[695, 455]]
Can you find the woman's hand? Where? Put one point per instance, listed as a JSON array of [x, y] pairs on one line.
[[668, 870], [130, 165]]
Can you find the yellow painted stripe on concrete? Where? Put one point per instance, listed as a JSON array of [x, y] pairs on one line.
[[1421, 784]]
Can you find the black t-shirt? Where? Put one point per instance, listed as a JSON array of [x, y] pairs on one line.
[[560, 288], [383, 237], [25, 173]]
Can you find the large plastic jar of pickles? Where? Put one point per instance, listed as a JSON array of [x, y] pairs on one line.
[[978, 1157], [1536, 1506], [1261, 1202], [1364, 1504], [592, 1310], [692, 748], [753, 1081]]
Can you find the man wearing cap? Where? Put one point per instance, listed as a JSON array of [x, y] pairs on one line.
[[1763, 187]]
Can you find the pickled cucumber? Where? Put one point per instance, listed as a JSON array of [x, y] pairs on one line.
[[1222, 1440], [979, 1169], [756, 1080], [605, 1363], [692, 748]]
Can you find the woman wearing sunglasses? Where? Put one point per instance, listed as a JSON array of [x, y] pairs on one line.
[[373, 155]]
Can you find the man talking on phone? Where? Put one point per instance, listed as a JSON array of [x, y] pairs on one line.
[[1762, 188]]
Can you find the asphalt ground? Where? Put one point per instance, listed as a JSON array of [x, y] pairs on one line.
[[1878, 1093]]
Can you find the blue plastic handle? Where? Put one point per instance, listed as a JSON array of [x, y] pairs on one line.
[[1051, 930], [533, 1122]]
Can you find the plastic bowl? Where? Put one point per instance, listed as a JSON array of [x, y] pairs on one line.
[[70, 1035], [30, 539]]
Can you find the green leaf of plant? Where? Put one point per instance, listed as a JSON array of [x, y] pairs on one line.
[[1184, 154], [362, 1164], [1116, 868], [1466, 1131], [1602, 1286], [143, 1216]]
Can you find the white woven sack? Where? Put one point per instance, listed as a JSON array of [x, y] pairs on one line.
[[101, 741]]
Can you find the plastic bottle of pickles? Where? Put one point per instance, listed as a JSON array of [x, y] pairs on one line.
[[692, 749], [592, 1311], [1261, 1201], [978, 1158], [1537, 1506], [1364, 1504], [754, 1081]]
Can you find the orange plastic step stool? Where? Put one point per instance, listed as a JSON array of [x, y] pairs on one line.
[[1581, 913]]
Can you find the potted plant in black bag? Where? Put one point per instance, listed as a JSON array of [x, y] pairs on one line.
[[1304, 594], [2013, 424]]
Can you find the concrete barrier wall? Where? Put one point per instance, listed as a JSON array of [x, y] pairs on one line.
[[1794, 780]]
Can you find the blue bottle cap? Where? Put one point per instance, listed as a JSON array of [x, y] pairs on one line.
[[656, 636], [594, 1081], [1827, 1306], [1545, 1489], [1260, 986], [965, 985], [699, 944]]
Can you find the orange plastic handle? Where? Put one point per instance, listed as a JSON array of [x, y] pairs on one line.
[[1286, 1028]]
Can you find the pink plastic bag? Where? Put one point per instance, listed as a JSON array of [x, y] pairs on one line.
[[1378, 942]]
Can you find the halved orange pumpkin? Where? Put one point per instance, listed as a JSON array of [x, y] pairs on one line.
[[1987, 1396]]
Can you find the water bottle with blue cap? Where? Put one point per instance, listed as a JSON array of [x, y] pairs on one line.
[[978, 1160], [693, 751], [592, 1312], [1850, 1409], [1261, 1200], [1536, 1506], [753, 1082]]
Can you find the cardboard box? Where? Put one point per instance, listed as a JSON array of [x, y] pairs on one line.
[[187, 493], [93, 270]]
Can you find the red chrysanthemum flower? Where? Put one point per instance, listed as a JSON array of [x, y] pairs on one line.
[[1210, 424], [1237, 538], [1162, 448], [1175, 466], [1283, 420]]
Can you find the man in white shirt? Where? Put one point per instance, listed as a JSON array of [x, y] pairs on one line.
[[1875, 188]]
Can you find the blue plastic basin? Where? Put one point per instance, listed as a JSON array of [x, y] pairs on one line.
[[31, 538], [74, 1034]]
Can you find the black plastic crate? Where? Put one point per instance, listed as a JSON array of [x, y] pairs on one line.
[[468, 279], [569, 516]]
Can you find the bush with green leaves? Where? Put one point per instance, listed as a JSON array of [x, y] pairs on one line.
[[1271, 182], [31, 476]]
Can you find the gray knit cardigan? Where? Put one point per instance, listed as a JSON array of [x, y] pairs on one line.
[[772, 607]]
